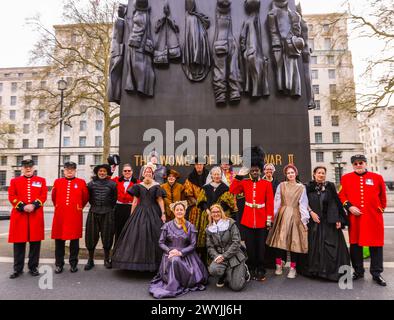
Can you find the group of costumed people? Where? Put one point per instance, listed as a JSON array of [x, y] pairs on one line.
[[217, 223]]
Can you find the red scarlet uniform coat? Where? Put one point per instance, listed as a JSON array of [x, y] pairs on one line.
[[367, 192], [69, 198], [27, 227], [123, 195], [259, 193]]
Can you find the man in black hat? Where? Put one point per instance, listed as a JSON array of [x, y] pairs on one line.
[[102, 198], [363, 195], [69, 196], [27, 195]]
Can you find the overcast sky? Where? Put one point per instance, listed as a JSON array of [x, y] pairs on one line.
[[17, 39]]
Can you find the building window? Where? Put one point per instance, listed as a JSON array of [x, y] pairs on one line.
[[11, 128], [82, 125], [26, 115], [41, 114], [3, 161], [315, 74], [331, 74], [41, 128], [66, 158], [316, 89], [1, 100], [1, 87], [11, 144], [25, 143], [317, 121], [66, 141], [29, 86], [26, 128], [97, 159], [17, 173], [326, 27], [40, 143], [35, 160], [318, 137], [13, 101], [319, 156], [333, 104], [19, 160], [28, 101], [3, 178], [99, 125], [336, 137], [14, 87], [335, 121], [317, 102], [43, 84], [330, 59], [82, 141], [333, 88], [81, 160], [98, 141], [327, 44], [12, 114], [314, 60]]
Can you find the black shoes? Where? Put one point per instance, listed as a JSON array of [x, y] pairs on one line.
[[380, 281], [260, 276], [220, 283], [34, 272], [74, 269], [89, 265], [16, 274], [357, 276], [108, 264], [58, 270]]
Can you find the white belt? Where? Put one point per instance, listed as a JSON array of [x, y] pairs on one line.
[[255, 205]]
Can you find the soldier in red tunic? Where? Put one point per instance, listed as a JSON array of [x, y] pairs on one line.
[[363, 195], [27, 195], [69, 196], [258, 213]]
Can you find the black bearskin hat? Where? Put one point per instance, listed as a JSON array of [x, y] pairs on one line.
[[254, 157]]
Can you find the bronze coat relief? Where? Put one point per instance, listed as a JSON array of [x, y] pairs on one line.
[[140, 75], [226, 71]]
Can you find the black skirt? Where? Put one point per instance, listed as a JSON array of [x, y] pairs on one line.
[[327, 251]]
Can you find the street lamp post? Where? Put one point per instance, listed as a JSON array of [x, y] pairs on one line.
[[338, 162], [62, 86]]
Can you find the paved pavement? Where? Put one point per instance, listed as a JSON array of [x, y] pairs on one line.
[[100, 283]]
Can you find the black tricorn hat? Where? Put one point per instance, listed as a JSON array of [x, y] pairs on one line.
[[113, 160], [70, 165], [27, 163], [358, 157], [103, 166]]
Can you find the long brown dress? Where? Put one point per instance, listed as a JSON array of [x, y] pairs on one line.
[[288, 232]]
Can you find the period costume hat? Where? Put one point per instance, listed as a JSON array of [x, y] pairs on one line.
[[358, 157]]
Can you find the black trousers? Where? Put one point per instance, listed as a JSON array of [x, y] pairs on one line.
[[60, 251], [356, 255], [122, 214], [20, 252], [255, 246], [100, 225]]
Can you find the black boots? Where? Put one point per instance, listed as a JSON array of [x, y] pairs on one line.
[[107, 260], [90, 264]]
